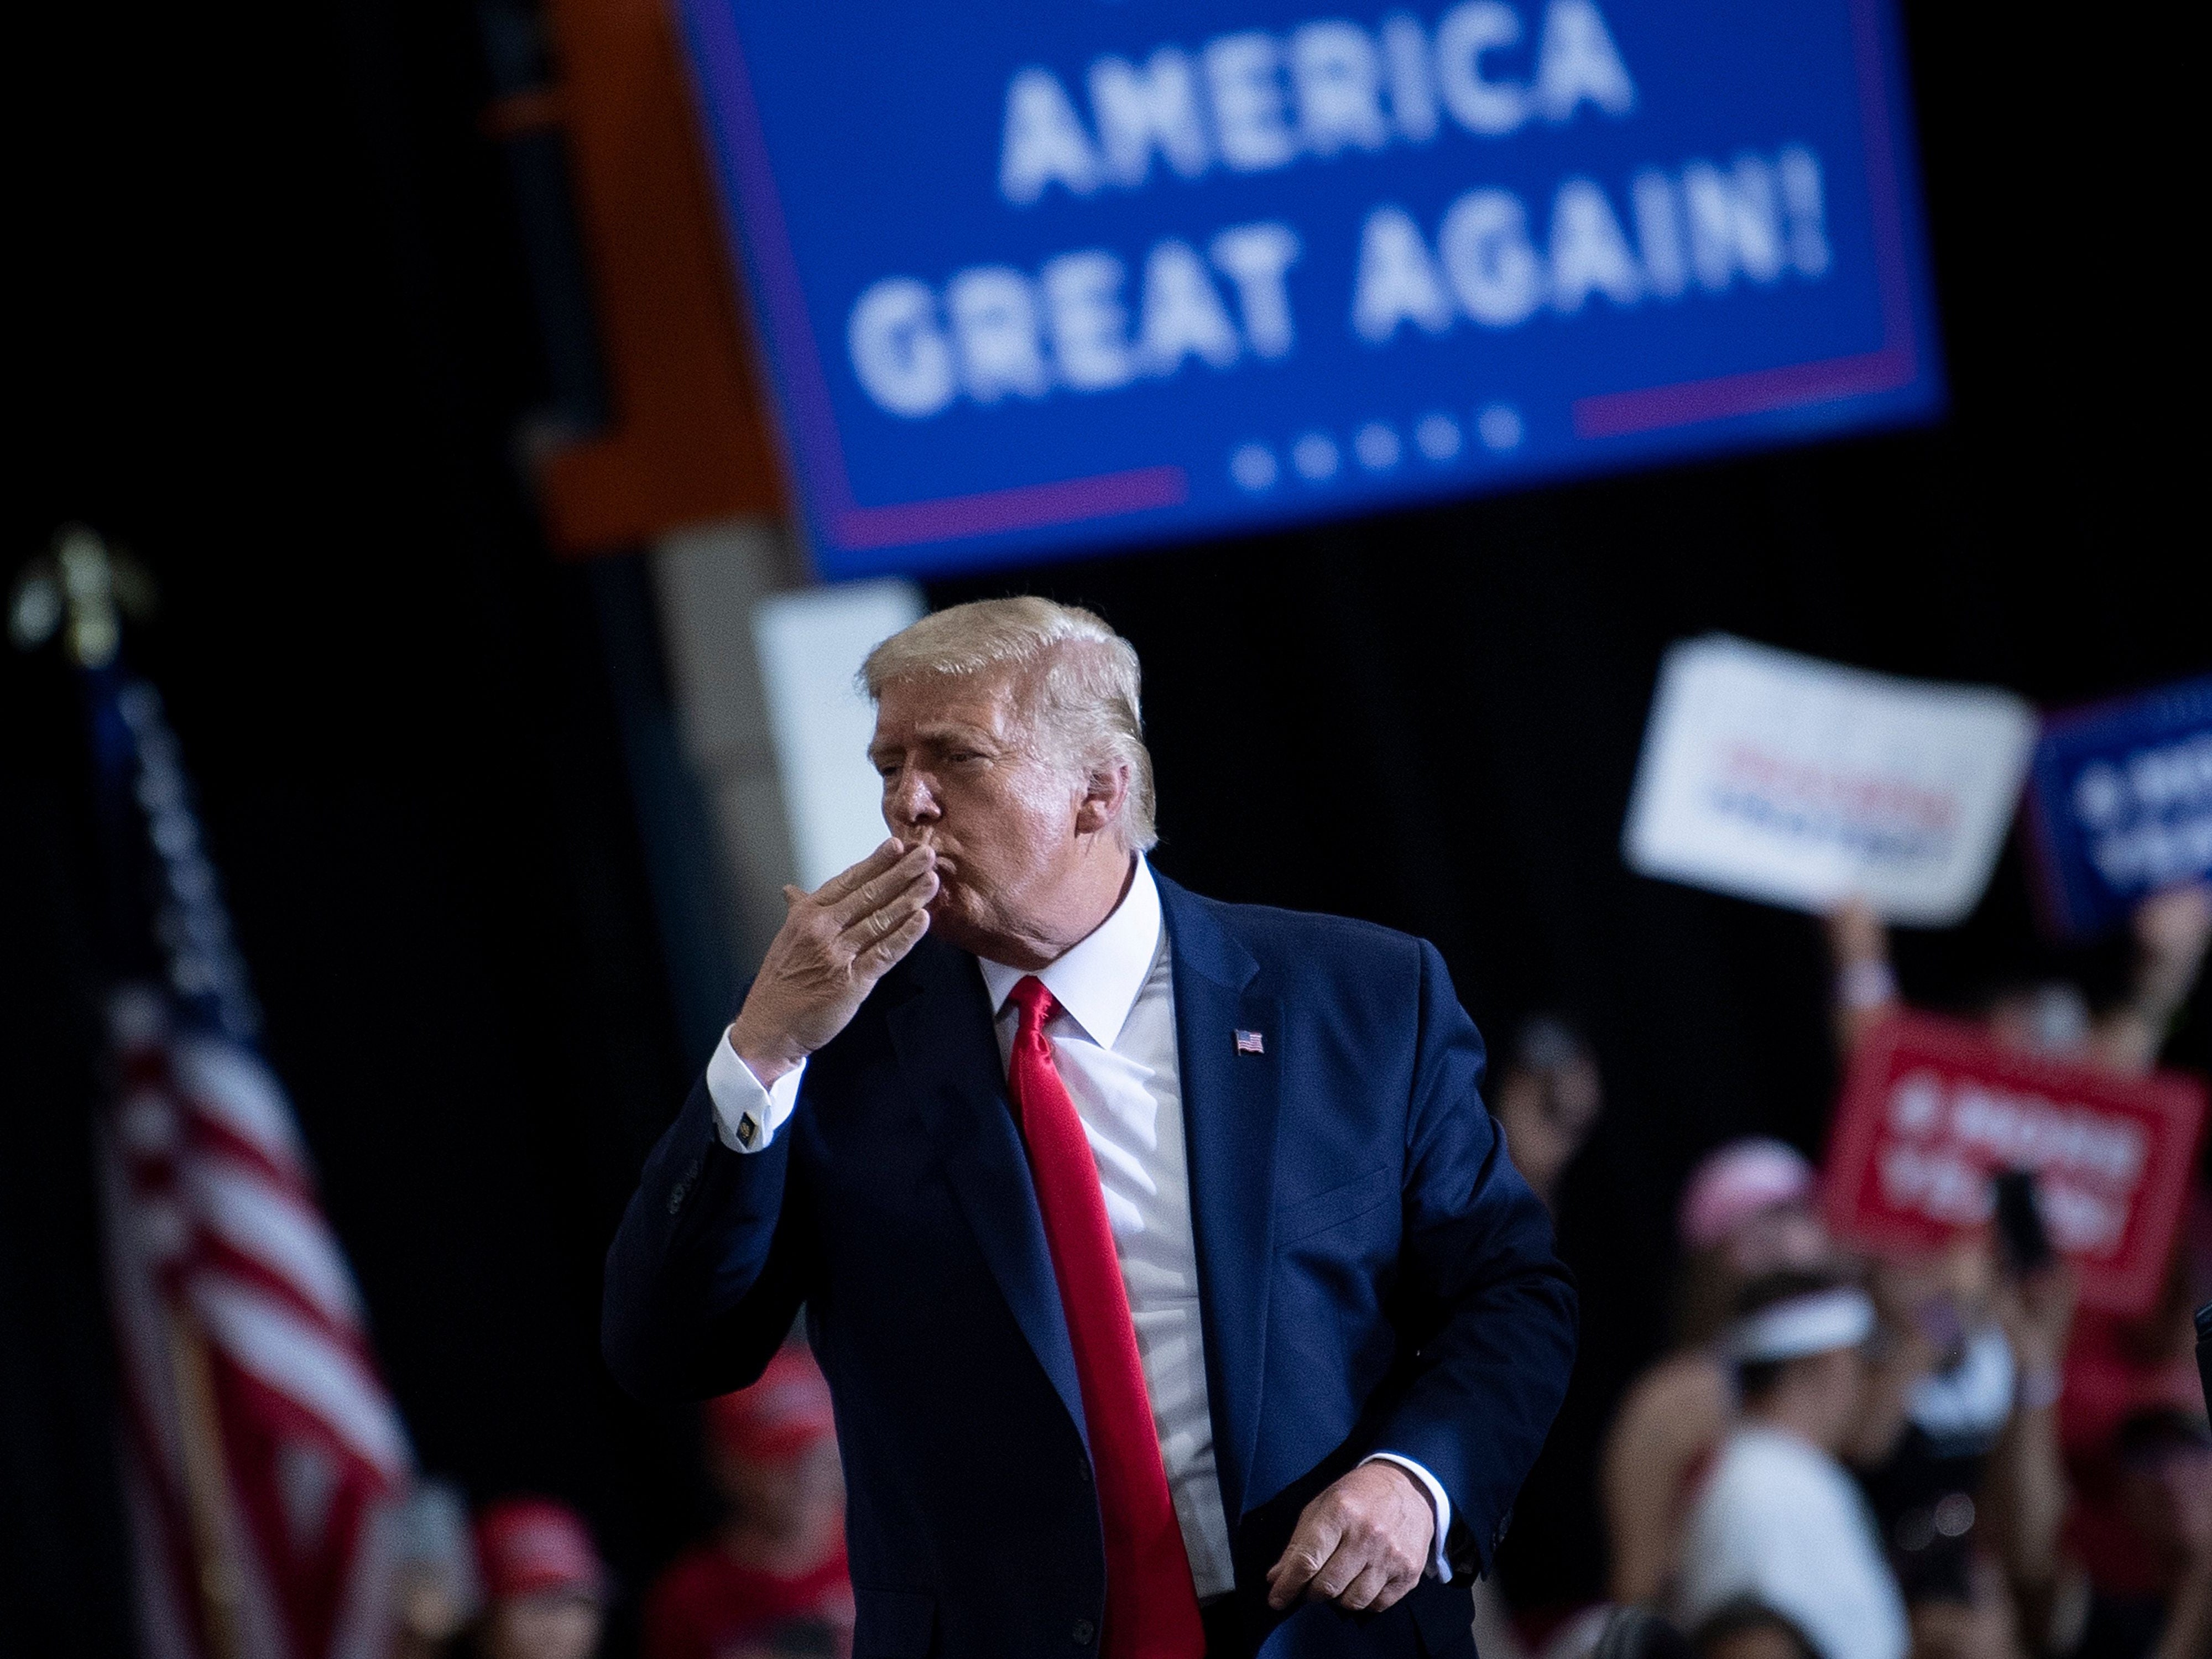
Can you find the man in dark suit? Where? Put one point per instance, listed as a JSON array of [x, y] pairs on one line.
[[1175, 1290]]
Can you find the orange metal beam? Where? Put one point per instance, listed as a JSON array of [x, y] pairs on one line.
[[688, 441]]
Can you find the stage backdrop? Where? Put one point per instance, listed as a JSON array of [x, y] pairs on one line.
[[1035, 278]]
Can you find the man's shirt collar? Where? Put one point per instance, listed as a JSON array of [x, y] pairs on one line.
[[1097, 981]]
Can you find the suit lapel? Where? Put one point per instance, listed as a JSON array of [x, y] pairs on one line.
[[941, 1031], [1229, 1102]]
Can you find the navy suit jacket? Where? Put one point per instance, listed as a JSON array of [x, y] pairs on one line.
[[1373, 1274]]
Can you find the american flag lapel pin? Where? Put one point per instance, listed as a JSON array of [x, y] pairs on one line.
[[1247, 1042]]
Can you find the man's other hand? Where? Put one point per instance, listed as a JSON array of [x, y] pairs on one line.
[[835, 944], [1362, 1544]]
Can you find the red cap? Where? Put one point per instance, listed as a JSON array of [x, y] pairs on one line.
[[784, 1414], [528, 1546]]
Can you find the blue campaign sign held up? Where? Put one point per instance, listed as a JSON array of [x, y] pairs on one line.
[[2120, 803], [1038, 275]]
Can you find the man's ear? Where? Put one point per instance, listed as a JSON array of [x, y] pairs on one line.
[[1104, 797]]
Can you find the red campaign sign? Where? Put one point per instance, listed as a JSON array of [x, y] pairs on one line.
[[1933, 1110]]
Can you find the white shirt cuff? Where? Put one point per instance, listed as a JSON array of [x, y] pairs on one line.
[[1440, 1505], [747, 1115]]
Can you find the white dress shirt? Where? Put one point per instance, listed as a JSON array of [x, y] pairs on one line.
[[1114, 1043]]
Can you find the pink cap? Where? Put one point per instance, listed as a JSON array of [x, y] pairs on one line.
[[1736, 1182], [785, 1413], [528, 1546]]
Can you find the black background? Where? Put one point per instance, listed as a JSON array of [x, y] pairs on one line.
[[274, 333]]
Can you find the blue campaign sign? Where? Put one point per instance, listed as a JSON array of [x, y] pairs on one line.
[[1048, 274], [2120, 803]]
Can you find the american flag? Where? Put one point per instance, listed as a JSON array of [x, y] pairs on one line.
[[261, 1448], [1247, 1042]]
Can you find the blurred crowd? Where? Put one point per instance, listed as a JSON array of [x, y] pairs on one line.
[[1841, 1457], [525, 1581], [1943, 1458]]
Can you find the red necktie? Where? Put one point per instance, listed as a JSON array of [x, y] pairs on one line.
[[1151, 1607]]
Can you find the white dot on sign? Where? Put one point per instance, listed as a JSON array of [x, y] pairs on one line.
[[2099, 794], [1315, 456], [1437, 436], [1500, 427], [1377, 447], [1916, 1107], [1253, 466]]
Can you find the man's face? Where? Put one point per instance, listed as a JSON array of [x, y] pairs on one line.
[[555, 1624], [1549, 1112], [1834, 1386], [1780, 1236], [962, 774]]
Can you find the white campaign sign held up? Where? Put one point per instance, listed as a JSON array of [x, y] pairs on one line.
[[811, 644], [1784, 778]]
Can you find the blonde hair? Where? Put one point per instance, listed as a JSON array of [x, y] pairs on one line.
[[1076, 679]]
